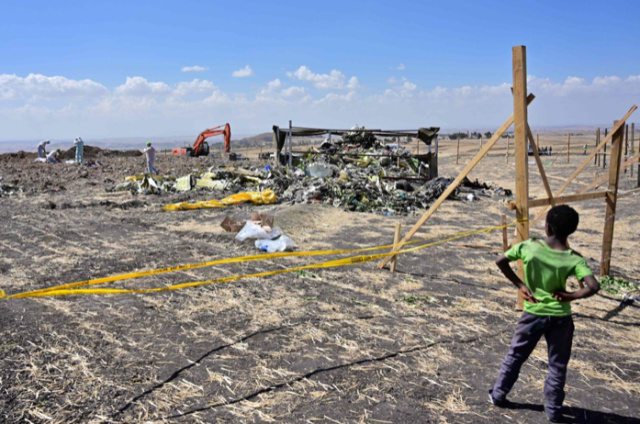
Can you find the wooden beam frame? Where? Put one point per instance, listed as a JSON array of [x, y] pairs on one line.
[[467, 169], [570, 198], [586, 162]]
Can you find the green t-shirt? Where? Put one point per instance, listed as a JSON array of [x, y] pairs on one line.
[[545, 271]]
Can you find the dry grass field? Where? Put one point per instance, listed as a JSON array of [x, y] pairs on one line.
[[342, 345]]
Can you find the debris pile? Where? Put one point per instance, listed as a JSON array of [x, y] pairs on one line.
[[145, 184], [357, 173]]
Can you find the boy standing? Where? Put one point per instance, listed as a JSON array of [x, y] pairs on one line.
[[547, 309]]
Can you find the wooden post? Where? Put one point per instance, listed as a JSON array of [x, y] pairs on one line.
[[604, 156], [505, 238], [519, 64], [458, 151], [596, 160], [611, 199], [626, 140], [568, 147], [396, 240]]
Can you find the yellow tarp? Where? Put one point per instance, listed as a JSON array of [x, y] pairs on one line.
[[265, 198]]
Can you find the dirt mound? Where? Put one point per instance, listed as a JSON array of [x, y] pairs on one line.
[[18, 155], [92, 152]]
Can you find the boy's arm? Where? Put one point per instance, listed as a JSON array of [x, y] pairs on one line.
[[591, 287], [503, 264]]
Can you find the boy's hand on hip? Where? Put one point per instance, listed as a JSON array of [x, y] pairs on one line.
[[526, 294], [563, 296]]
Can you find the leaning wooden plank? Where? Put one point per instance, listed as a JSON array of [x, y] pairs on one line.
[[467, 169], [396, 239], [604, 178], [543, 174], [586, 162], [536, 203]]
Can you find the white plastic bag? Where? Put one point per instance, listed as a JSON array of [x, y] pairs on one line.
[[281, 244], [251, 230]]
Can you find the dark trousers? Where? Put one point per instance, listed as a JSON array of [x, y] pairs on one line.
[[558, 331]]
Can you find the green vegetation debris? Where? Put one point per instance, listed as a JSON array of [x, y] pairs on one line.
[[618, 286], [414, 300]]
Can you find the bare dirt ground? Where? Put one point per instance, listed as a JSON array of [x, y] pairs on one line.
[[342, 345]]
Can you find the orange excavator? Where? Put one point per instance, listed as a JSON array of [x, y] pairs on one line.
[[201, 147]]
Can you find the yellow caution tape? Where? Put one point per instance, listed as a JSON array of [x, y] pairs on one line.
[[265, 198], [70, 289], [238, 259]]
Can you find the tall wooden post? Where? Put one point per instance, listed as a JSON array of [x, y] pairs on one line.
[[568, 147], [626, 140], [604, 152], [596, 158], [611, 199], [521, 152]]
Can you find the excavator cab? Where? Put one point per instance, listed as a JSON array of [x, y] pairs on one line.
[[204, 150]]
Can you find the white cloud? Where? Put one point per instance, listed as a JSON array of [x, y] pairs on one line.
[[140, 87], [276, 83], [195, 68], [38, 105], [195, 86], [334, 80], [275, 93], [293, 91], [243, 72], [400, 67], [36, 87]]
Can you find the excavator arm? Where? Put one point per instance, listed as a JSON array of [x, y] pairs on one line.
[[199, 149]]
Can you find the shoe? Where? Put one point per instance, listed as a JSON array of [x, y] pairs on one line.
[[556, 417], [500, 403]]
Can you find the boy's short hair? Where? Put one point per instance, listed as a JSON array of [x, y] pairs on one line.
[[563, 220]]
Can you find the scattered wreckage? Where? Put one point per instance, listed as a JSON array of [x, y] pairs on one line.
[[357, 172]]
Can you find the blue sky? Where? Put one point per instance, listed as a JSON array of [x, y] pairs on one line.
[[386, 56]]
